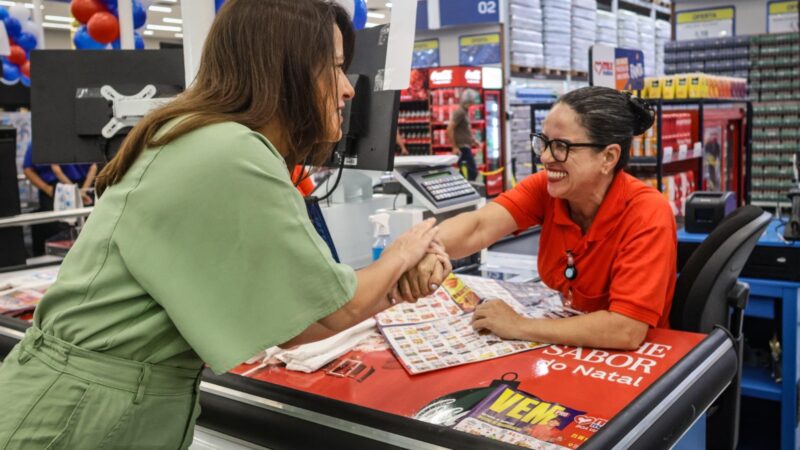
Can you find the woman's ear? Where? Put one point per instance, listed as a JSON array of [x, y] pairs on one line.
[[611, 155]]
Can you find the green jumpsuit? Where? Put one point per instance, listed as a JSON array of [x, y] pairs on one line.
[[202, 253]]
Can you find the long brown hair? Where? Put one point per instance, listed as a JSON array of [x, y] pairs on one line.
[[261, 62]]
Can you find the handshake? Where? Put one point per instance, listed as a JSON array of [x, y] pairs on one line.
[[425, 262]]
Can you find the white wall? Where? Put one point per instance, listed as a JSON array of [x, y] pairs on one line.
[[751, 15], [448, 40]]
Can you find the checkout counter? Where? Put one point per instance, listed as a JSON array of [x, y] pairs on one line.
[[643, 399]]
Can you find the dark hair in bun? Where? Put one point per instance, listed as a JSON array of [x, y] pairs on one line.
[[610, 117]]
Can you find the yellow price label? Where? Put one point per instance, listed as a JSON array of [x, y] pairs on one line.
[[481, 39], [431, 44], [706, 15], [790, 7]]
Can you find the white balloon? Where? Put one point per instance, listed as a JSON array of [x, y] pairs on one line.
[[348, 5], [31, 27], [19, 12]]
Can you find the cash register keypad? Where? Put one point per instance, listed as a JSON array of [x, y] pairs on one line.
[[448, 187]]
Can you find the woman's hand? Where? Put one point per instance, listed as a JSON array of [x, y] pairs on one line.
[[499, 318], [423, 279], [412, 245]]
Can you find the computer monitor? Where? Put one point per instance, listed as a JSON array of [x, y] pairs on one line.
[[68, 109], [370, 125]]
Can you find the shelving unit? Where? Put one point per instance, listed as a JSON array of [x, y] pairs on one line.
[[775, 91]]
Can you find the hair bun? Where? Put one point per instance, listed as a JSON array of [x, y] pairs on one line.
[[643, 114]]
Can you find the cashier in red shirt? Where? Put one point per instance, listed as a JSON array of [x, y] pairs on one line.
[[608, 241]]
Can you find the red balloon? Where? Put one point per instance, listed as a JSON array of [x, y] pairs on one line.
[[103, 27], [83, 10], [17, 55], [26, 69]]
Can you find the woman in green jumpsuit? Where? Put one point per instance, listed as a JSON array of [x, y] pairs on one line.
[[200, 250]]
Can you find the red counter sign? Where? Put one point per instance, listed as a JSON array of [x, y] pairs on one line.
[[447, 77]]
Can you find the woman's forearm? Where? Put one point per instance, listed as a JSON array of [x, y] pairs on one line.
[[599, 329]]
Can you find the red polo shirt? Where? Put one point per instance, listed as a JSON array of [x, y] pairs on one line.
[[626, 262]]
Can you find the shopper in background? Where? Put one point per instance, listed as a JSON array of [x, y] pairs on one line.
[[45, 178], [608, 241], [200, 249], [459, 132]]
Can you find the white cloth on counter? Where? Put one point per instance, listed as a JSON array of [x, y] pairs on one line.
[[312, 356]]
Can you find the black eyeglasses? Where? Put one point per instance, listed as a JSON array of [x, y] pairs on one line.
[[558, 148]]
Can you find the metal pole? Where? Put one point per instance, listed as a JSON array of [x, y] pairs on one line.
[[197, 18], [125, 10], [659, 146], [38, 20]]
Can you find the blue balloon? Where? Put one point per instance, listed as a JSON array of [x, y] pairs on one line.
[[139, 15], [10, 72], [25, 81], [83, 41], [26, 41], [218, 4], [3, 13], [116, 45], [138, 41], [111, 6], [13, 27], [360, 14]]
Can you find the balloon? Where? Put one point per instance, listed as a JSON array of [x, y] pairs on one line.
[[348, 5], [27, 41], [3, 13], [83, 41], [19, 12], [360, 14], [26, 81], [17, 55], [26, 68], [138, 42], [83, 10], [218, 4], [139, 15], [30, 27], [10, 73], [103, 27], [111, 6], [13, 27]]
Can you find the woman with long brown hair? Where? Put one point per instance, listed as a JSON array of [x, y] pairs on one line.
[[199, 250]]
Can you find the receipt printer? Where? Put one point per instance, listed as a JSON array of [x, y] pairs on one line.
[[704, 210]]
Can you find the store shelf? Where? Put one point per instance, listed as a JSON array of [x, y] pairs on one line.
[[646, 5], [705, 101], [770, 204], [477, 122], [413, 122], [547, 77], [648, 161], [756, 382]]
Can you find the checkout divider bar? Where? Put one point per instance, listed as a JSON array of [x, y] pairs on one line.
[[667, 409]]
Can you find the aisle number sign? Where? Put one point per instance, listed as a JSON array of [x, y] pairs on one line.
[[782, 16], [448, 13], [479, 49], [705, 23]]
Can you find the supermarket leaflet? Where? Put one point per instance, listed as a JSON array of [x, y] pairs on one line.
[[433, 334], [516, 417]]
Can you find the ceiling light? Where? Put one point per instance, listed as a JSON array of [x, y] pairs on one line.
[[162, 9], [178, 35], [59, 18], [172, 20], [164, 28], [388, 4], [376, 15], [148, 32], [61, 26], [370, 25]]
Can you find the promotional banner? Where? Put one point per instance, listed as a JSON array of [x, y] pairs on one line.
[[446, 77], [782, 16], [426, 54], [617, 68], [479, 49], [705, 23]]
